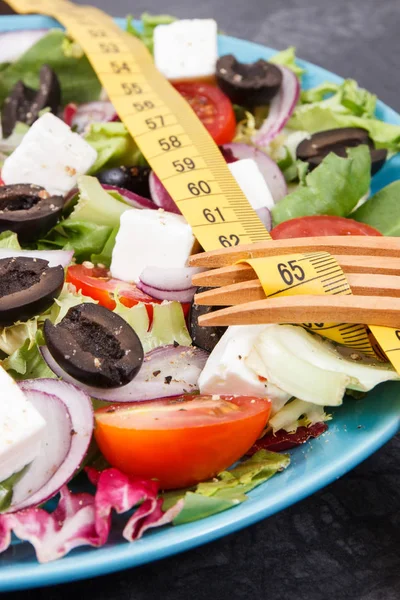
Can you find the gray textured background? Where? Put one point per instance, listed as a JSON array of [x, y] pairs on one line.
[[342, 543]]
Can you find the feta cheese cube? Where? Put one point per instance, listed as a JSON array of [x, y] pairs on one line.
[[227, 371], [50, 155], [21, 428], [186, 48], [252, 183], [150, 238]]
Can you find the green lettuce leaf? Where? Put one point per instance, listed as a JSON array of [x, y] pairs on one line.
[[13, 337], [287, 58], [168, 325], [6, 488], [228, 489], [78, 81], [382, 211], [9, 239], [27, 361], [333, 188], [114, 146], [97, 206], [148, 24], [83, 237], [68, 298], [344, 98], [104, 257]]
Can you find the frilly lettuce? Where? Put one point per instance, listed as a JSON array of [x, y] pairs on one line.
[[297, 413], [95, 205], [114, 146], [9, 239], [226, 490], [333, 188], [344, 98], [287, 58], [84, 237], [168, 326], [382, 211], [27, 362], [13, 337], [83, 86]]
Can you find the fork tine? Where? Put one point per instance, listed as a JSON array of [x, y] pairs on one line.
[[356, 264], [251, 291], [310, 309], [336, 245]]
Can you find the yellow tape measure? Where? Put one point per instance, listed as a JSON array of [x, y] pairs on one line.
[[183, 155]]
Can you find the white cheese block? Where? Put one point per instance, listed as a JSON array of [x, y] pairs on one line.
[[21, 428], [186, 49], [227, 372], [150, 238], [50, 155], [252, 183]]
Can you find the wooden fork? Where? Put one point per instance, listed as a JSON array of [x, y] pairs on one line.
[[372, 266]]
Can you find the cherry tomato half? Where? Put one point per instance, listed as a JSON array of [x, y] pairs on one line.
[[213, 108], [182, 440], [320, 225]]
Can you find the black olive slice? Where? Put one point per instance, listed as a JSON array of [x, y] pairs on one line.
[[28, 287], [24, 104], [314, 149], [95, 346], [134, 179], [204, 337], [28, 210], [248, 84]]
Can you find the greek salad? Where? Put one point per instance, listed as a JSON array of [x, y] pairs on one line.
[[108, 379]]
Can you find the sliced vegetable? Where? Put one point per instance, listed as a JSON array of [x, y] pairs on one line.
[[203, 337], [283, 440], [281, 109], [160, 196], [95, 205], [165, 439], [248, 84], [168, 284], [28, 286], [270, 170], [166, 371], [13, 44], [79, 406], [149, 23], [95, 346], [320, 225], [85, 239], [28, 210], [130, 198], [92, 112], [53, 257], [333, 188], [113, 144], [213, 108]]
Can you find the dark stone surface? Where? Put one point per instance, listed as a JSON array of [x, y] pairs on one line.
[[343, 542]]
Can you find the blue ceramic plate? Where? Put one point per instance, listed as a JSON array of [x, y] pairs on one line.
[[359, 428]]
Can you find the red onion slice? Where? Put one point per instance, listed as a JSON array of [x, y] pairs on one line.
[[166, 371], [92, 112], [55, 445], [268, 167], [280, 110], [169, 284], [161, 196], [265, 217], [53, 257], [13, 44], [79, 406], [130, 198]]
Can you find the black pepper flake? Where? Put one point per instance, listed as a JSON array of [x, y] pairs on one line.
[[240, 357], [73, 432], [155, 373], [111, 409], [168, 379], [175, 344]]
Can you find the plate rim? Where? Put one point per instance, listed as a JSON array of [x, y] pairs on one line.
[[96, 562]]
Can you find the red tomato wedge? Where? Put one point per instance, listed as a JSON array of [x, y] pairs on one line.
[[320, 225], [96, 283], [182, 440], [213, 108]]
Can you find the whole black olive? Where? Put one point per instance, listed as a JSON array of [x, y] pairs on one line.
[[315, 148], [28, 210], [95, 346], [134, 179], [204, 337], [24, 104], [28, 287], [248, 84]]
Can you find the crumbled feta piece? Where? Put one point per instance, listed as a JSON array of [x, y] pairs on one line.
[[186, 48], [252, 183], [150, 238], [50, 155], [21, 427]]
